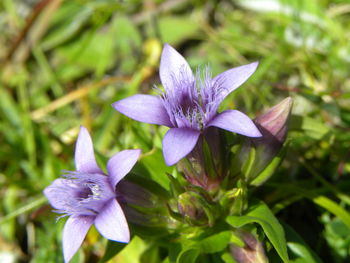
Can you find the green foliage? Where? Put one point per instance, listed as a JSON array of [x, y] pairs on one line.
[[259, 213], [299, 250], [63, 63]]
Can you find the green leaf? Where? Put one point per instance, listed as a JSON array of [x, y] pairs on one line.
[[333, 207], [67, 28], [113, 248], [127, 42], [227, 258], [209, 245], [262, 215], [188, 256], [151, 255], [9, 108], [176, 29], [299, 249], [215, 243], [236, 240], [311, 127], [156, 168], [127, 253]]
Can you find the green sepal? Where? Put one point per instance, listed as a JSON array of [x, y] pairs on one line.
[[236, 163], [270, 168], [209, 165], [175, 187], [248, 165]]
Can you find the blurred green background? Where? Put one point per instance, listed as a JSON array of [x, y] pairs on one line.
[[63, 63]]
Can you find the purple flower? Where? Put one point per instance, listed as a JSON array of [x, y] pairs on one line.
[[189, 104], [88, 196]]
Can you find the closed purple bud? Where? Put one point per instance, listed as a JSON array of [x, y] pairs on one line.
[[274, 123], [189, 207], [274, 127], [134, 194], [139, 203], [252, 252], [199, 168], [195, 208]]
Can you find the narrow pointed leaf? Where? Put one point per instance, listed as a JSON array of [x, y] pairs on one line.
[[215, 243], [188, 256], [262, 215]]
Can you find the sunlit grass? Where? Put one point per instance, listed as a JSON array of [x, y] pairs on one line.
[[63, 63]]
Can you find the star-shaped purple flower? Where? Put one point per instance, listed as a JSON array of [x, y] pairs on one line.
[[189, 104], [88, 196]]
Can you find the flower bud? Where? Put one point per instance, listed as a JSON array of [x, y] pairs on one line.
[[134, 194], [200, 167], [195, 208], [141, 205], [252, 252], [274, 123], [274, 127]]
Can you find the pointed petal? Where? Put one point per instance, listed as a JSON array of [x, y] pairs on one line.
[[54, 195], [177, 143], [84, 153], [173, 65], [74, 233], [231, 79], [120, 164], [111, 223], [144, 108], [235, 121]]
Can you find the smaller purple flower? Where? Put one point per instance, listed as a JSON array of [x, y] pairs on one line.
[[88, 196], [189, 104]]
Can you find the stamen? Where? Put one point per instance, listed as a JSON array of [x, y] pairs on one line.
[[192, 102], [83, 194]]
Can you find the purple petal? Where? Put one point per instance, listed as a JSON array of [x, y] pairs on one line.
[[177, 143], [235, 121], [144, 108], [84, 153], [173, 65], [231, 79], [120, 164], [111, 223], [54, 195], [74, 233]]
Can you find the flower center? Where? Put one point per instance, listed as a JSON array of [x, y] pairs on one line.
[[89, 190], [192, 102], [83, 194]]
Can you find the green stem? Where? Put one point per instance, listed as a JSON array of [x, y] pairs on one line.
[[23, 209]]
